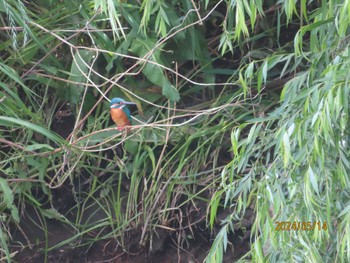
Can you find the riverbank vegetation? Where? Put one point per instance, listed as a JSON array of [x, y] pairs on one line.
[[239, 148]]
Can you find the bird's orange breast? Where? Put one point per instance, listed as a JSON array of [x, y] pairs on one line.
[[119, 117]]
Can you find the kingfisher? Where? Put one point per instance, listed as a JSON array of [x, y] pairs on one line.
[[120, 113]]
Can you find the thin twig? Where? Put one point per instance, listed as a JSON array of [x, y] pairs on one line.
[[197, 11]]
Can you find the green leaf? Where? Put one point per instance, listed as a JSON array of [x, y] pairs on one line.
[[214, 205], [151, 156], [346, 211], [52, 213], [39, 146], [11, 73], [10, 122], [78, 74], [152, 71], [4, 245], [170, 92], [286, 148], [131, 146], [8, 198], [313, 179]]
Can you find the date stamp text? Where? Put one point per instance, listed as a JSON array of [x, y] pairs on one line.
[[304, 226]]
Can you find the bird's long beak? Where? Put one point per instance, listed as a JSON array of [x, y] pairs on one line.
[[129, 103]]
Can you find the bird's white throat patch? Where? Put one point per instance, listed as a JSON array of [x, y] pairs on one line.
[[114, 106]]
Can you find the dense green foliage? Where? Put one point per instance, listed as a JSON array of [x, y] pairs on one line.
[[243, 107]]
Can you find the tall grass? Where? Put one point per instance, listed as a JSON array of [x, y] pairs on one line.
[[241, 105]]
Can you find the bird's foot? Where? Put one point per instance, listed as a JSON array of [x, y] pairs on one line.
[[120, 128]]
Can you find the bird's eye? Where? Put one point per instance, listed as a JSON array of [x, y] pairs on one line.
[[121, 103]]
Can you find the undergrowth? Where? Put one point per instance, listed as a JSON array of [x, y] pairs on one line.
[[242, 111]]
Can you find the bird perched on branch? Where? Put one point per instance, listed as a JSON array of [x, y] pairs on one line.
[[120, 113]]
